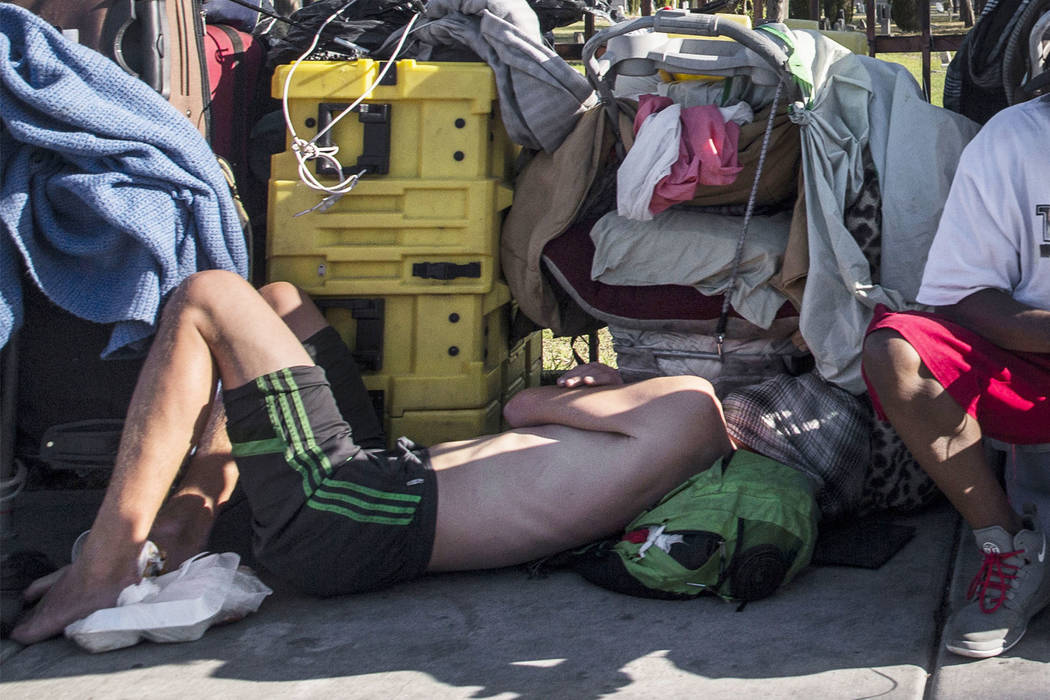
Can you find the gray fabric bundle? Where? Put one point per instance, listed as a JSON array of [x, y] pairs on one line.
[[541, 97]]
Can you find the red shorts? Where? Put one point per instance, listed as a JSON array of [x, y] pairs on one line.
[[1005, 391]]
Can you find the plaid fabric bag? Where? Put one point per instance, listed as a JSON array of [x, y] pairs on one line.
[[811, 425]]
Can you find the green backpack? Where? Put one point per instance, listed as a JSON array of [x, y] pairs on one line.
[[740, 530]]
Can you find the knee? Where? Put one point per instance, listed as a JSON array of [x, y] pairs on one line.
[[689, 401], [205, 290], [888, 360], [283, 297]]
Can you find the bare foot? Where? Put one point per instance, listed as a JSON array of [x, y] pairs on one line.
[[68, 595], [182, 527]]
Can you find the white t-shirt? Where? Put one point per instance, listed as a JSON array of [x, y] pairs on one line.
[[997, 215]]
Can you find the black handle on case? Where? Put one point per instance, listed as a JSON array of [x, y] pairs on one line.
[[369, 314], [446, 270], [375, 142]]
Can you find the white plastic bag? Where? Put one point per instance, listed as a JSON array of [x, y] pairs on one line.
[[175, 607]]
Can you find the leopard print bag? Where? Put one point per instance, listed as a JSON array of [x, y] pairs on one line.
[[894, 480]]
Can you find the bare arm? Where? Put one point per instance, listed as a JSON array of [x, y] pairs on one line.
[[534, 407], [1003, 320], [626, 409], [590, 374]]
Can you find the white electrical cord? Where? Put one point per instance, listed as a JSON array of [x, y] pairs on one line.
[[306, 151]]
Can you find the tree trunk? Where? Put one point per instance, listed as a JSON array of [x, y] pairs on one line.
[[777, 10], [966, 12]]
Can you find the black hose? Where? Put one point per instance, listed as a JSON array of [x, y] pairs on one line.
[[1016, 53]]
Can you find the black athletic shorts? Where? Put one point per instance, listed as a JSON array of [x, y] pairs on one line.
[[327, 516]]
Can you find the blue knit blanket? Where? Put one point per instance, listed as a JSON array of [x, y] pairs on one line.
[[108, 196]]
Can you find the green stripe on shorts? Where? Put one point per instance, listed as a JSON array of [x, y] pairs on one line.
[[360, 517], [364, 505], [301, 451], [374, 493], [258, 447]]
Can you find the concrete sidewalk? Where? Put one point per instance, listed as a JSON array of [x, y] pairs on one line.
[[834, 632]]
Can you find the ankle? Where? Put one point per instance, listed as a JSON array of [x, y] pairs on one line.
[[191, 501], [1016, 524], [105, 562]]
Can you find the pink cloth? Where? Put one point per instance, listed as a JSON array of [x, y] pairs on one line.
[[707, 152], [1007, 392]]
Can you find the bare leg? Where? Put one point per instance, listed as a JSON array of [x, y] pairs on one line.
[[215, 320], [298, 311], [295, 308], [184, 522], [944, 440], [592, 460]]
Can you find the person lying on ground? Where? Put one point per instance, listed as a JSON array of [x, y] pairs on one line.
[[980, 365], [331, 517]]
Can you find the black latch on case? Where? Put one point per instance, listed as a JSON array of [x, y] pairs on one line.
[[391, 73], [368, 313], [445, 270]]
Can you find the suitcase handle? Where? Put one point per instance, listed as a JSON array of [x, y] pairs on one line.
[[154, 38], [82, 445], [150, 22], [679, 22]]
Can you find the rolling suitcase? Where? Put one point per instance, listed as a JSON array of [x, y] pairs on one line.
[[70, 403], [159, 41], [234, 61]]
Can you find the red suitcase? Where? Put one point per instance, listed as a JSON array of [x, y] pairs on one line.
[[234, 60]]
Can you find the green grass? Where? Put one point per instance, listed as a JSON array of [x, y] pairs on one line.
[[941, 23], [560, 354], [913, 62]]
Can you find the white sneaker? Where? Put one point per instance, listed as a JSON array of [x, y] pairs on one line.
[[1012, 585]]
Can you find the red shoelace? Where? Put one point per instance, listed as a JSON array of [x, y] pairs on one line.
[[994, 576]]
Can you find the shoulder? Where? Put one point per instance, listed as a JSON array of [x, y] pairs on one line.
[[1019, 122], [1016, 135]]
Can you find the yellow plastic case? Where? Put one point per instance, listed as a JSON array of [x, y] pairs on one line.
[[431, 427], [534, 359], [428, 351], [524, 366], [388, 236], [406, 265], [426, 120]]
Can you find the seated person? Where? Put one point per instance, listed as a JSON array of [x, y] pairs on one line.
[[980, 365], [331, 516]]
